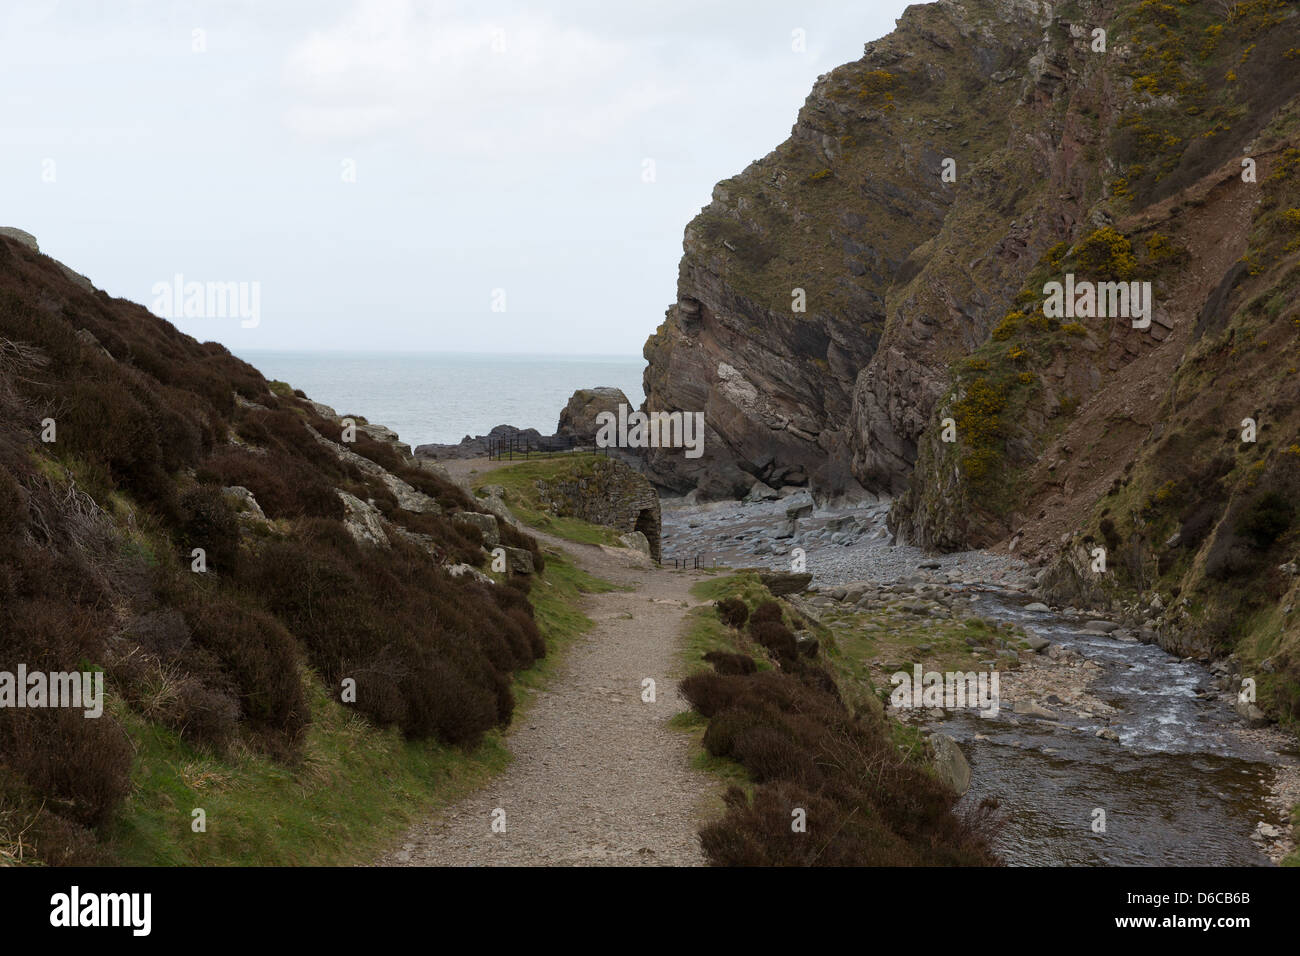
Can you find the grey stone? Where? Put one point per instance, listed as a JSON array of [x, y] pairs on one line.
[[26, 238], [950, 764], [520, 561], [485, 523], [1028, 708], [243, 501], [785, 582], [1252, 715], [363, 521], [637, 541]]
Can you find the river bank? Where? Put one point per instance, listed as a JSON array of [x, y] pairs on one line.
[[1092, 718]]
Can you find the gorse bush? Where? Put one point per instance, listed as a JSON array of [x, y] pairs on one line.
[[1106, 253]]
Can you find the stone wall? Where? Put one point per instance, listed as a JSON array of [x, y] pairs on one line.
[[610, 493]]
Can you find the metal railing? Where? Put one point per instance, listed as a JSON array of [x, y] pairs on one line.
[[526, 446]]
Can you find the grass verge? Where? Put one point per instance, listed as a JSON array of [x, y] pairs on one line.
[[354, 791]]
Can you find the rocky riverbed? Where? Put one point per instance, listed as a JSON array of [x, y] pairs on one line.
[[1092, 715], [840, 544]]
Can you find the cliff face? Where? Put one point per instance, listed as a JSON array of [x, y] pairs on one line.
[[846, 210], [929, 365], [904, 272]]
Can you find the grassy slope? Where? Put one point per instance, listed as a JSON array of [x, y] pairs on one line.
[[520, 484], [847, 639], [355, 790]]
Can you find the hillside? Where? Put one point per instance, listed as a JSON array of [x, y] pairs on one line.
[[1115, 157], [338, 581]]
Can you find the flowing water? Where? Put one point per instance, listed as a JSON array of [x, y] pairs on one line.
[[1176, 790], [1180, 788]]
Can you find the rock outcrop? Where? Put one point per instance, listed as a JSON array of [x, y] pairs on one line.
[[479, 446], [928, 196], [831, 295], [26, 238], [578, 418]]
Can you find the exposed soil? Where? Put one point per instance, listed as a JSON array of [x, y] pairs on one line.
[[1076, 469]]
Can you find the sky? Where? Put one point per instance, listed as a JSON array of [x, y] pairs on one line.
[[397, 174]]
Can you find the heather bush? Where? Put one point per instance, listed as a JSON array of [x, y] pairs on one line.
[[207, 521], [733, 611], [767, 612], [96, 532], [865, 804], [725, 662], [260, 658], [774, 636]]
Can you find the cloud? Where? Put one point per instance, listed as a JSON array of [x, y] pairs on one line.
[[466, 82]]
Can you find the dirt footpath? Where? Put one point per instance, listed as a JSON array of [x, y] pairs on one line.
[[598, 777]]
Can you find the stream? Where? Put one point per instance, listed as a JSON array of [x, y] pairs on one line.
[[1179, 788]]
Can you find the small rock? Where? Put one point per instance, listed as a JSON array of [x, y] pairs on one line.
[[1028, 708]]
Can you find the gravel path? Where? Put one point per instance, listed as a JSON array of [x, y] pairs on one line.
[[598, 778]]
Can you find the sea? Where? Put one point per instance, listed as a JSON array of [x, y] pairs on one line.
[[440, 397]]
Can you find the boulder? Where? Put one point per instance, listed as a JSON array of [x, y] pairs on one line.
[[519, 560], [459, 570], [578, 418], [785, 582], [408, 498], [636, 541], [363, 521], [1252, 715], [382, 433], [486, 524], [800, 506], [1028, 708], [26, 238], [950, 763], [242, 500]]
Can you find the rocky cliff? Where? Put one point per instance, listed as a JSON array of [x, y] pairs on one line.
[[826, 291], [927, 195]]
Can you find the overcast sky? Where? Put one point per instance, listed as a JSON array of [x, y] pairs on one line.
[[380, 167]]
